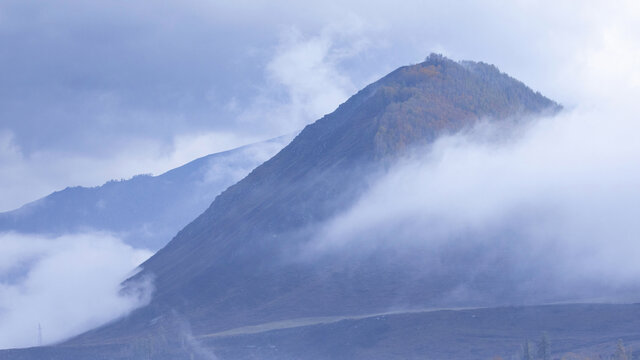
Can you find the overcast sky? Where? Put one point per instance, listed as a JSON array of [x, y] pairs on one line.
[[96, 90]]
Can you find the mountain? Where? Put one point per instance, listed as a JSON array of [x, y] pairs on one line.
[[240, 262], [234, 263], [146, 211]]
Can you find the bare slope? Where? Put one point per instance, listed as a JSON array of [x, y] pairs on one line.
[[235, 265]]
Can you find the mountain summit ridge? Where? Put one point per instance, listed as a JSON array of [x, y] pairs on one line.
[[228, 267], [383, 120]]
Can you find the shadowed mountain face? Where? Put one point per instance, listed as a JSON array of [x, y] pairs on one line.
[[236, 264], [146, 211]]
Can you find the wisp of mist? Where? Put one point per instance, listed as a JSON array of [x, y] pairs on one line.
[[54, 288], [554, 200]]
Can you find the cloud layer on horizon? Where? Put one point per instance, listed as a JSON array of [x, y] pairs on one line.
[[554, 203]]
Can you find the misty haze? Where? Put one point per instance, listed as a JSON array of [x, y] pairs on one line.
[[328, 180]]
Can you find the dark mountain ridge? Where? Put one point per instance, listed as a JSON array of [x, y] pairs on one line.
[[409, 107], [231, 266]]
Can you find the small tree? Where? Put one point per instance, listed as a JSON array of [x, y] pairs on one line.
[[543, 352], [621, 352]]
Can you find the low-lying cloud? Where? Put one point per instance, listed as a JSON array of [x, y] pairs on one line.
[[235, 166], [64, 285], [555, 200]]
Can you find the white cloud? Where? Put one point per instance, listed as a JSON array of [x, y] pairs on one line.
[[238, 165], [67, 285], [305, 79], [559, 196], [569, 182]]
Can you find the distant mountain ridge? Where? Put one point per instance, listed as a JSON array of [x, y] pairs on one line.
[[145, 211]]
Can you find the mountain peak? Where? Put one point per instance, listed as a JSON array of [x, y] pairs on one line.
[[415, 104], [411, 106], [228, 262]]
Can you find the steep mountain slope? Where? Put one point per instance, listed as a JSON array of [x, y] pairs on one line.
[[237, 264], [145, 210], [321, 170]]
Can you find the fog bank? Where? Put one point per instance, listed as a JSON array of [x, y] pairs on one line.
[[553, 202], [64, 285]]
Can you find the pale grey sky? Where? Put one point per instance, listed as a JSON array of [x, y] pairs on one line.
[[97, 90]]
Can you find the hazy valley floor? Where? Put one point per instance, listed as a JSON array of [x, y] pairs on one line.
[[481, 333]]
